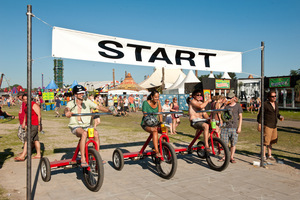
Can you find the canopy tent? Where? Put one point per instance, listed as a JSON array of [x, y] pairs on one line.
[[51, 85], [177, 82], [190, 78], [155, 80], [73, 84], [14, 90]]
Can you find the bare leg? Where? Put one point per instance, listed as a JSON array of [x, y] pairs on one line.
[[83, 136], [232, 151], [269, 150], [206, 134], [23, 154], [97, 139], [38, 148]]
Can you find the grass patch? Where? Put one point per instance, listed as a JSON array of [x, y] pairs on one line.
[[3, 194]]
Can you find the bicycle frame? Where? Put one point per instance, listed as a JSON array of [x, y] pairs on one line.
[[142, 152]]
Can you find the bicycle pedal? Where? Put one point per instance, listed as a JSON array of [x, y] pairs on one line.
[[135, 158], [68, 167]]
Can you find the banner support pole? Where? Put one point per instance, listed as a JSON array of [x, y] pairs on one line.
[[262, 92], [29, 85]]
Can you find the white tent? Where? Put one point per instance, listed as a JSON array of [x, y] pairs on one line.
[[171, 75], [174, 86], [225, 76], [190, 78]]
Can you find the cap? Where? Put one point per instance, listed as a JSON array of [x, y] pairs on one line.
[[231, 94]]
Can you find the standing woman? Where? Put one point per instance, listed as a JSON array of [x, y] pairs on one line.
[[175, 117], [152, 105], [168, 118]]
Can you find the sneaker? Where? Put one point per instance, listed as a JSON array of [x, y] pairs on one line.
[[271, 158]]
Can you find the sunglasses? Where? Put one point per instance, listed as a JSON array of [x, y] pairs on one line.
[[198, 95], [273, 96]]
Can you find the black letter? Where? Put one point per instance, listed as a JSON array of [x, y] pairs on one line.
[[163, 53], [102, 45], [206, 58], [138, 50], [179, 58]]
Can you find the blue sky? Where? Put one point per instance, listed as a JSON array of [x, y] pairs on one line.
[[228, 25]]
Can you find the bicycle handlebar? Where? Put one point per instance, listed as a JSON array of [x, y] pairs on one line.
[[160, 113], [212, 110], [88, 114]]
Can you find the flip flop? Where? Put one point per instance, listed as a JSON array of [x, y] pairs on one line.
[[19, 159], [208, 150], [36, 157], [222, 160], [84, 165], [232, 161]]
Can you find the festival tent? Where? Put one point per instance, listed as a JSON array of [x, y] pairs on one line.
[[73, 84], [14, 90], [155, 80], [51, 85], [225, 76], [190, 78], [128, 86], [177, 82]]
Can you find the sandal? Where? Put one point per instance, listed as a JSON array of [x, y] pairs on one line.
[[158, 155], [19, 159], [271, 158], [222, 160], [232, 161], [207, 149], [36, 157], [84, 165]]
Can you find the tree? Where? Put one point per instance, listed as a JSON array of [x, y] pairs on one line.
[[202, 76], [295, 72]]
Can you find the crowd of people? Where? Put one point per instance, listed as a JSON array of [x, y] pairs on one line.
[[228, 131]]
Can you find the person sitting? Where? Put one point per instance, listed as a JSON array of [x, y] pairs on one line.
[[5, 114], [198, 119], [152, 105], [80, 124]]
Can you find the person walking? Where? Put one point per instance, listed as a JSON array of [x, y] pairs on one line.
[[21, 131], [36, 126], [271, 115], [232, 128], [57, 106]]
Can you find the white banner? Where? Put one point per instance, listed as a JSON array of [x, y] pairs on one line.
[[73, 44]]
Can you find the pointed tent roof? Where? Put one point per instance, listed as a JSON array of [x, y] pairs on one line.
[[73, 84], [51, 85], [177, 82], [211, 75], [129, 84], [171, 75], [190, 78], [226, 76]]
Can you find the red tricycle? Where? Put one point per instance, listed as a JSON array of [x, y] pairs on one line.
[[166, 165], [218, 158], [92, 175]]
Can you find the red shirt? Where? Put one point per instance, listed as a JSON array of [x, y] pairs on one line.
[[34, 116], [22, 113]]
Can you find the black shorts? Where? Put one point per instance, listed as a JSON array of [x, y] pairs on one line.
[[34, 134]]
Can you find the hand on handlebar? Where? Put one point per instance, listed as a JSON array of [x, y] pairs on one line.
[[69, 114]]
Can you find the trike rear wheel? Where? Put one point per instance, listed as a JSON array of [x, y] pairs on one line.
[[201, 149], [45, 169], [118, 159], [94, 174], [218, 158], [167, 168]]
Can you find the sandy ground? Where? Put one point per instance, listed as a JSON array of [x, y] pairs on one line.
[[61, 139]]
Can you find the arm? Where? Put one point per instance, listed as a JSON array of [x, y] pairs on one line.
[[159, 110], [68, 112], [239, 129], [37, 110]]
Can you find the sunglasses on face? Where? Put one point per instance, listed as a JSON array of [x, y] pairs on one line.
[[273, 96]]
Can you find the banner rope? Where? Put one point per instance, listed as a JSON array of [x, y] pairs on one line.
[[251, 50], [42, 21], [40, 58]]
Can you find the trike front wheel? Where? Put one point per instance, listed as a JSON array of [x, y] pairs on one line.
[[168, 166], [94, 174], [219, 156]]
